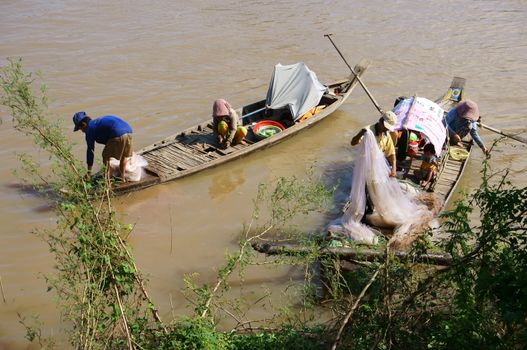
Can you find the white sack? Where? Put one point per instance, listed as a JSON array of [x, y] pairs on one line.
[[135, 167]]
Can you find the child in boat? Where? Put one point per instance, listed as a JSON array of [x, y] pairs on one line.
[[428, 169]]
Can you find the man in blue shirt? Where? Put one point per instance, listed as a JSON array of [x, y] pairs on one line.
[[463, 119], [110, 131]]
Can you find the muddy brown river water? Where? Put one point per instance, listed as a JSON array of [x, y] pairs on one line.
[[160, 64]]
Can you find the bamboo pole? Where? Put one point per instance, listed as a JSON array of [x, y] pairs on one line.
[[352, 254], [2, 289], [514, 137], [356, 76]]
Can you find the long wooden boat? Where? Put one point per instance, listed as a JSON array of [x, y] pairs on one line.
[[450, 171], [195, 149]]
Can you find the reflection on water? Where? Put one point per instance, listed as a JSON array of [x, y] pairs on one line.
[[42, 191], [161, 64], [225, 182]]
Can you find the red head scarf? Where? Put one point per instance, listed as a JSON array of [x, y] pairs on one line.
[[220, 108]]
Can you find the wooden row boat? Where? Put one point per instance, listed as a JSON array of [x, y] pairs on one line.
[[450, 171], [195, 149]]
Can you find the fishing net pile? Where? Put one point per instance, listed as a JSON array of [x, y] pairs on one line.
[[393, 208]]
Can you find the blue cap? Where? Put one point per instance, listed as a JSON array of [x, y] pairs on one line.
[[77, 119]]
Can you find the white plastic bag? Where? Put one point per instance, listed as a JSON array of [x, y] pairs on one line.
[[134, 167]]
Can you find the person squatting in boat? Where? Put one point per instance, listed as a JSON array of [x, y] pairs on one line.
[[428, 169], [382, 130], [115, 134], [225, 124], [464, 119]]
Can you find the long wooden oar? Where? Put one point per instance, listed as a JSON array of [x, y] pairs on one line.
[[514, 137], [356, 76]]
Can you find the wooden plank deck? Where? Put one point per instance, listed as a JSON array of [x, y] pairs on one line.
[[186, 152]]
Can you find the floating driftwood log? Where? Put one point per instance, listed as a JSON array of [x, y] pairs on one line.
[[351, 254]]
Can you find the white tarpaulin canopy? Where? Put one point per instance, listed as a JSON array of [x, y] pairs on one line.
[[424, 116], [294, 86]]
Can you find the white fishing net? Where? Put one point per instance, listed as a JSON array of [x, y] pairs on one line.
[[392, 207]]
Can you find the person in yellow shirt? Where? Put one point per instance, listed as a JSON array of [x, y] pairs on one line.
[[381, 130]]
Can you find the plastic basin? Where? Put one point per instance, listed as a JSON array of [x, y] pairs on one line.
[[267, 128]]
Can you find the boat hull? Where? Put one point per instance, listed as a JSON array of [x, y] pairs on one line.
[[196, 149]]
